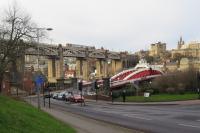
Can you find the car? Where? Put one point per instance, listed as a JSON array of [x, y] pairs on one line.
[[55, 95], [47, 96], [76, 98], [91, 93], [68, 96], [61, 95]]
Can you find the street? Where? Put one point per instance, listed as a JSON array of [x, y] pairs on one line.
[[151, 118]]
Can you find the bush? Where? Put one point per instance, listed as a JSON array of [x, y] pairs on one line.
[[155, 91], [181, 90], [171, 90], [116, 94], [151, 91], [177, 82], [144, 86]]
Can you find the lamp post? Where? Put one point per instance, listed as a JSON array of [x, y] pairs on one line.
[[108, 76], [38, 58], [108, 63], [38, 42], [197, 83]]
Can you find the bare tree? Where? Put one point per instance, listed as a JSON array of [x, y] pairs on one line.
[[16, 30]]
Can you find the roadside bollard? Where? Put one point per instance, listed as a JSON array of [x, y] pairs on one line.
[[124, 95], [198, 91]]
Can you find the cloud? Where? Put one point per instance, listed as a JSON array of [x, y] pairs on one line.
[[117, 24]]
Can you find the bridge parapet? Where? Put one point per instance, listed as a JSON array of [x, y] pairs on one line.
[[72, 50]]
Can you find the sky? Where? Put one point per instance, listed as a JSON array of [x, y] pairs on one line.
[[118, 25]]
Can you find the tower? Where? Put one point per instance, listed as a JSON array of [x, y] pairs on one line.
[[180, 43]]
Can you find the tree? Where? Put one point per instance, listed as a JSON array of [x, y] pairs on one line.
[[177, 57], [149, 59], [166, 56], [16, 30], [177, 82]]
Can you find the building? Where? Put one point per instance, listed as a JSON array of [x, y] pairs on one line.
[[171, 67], [190, 50], [180, 43], [186, 63], [142, 53], [157, 49]]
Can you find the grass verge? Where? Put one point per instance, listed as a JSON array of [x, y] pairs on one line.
[[161, 98], [20, 117]]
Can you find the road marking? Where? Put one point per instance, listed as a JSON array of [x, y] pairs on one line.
[[129, 115], [138, 117], [142, 118], [198, 120], [186, 125]]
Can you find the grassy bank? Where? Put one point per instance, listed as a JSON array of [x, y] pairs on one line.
[[161, 98], [20, 117]]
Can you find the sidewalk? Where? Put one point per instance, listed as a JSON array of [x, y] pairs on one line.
[[84, 124]]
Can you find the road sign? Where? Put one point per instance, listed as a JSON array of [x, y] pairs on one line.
[[39, 80]]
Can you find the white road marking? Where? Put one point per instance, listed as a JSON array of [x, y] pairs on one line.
[[138, 117], [186, 125], [142, 118], [122, 113], [198, 120], [129, 115]]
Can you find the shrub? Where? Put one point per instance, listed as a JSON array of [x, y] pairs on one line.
[[181, 88], [179, 81], [151, 91], [171, 90]]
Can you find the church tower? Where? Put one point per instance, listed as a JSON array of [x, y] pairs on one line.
[[180, 43]]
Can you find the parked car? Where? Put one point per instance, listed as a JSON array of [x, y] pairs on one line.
[[47, 96], [55, 95], [61, 95], [91, 93], [76, 98], [68, 96]]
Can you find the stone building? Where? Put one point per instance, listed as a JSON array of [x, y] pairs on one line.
[[180, 43], [142, 53], [191, 49], [186, 63], [170, 66], [157, 49]]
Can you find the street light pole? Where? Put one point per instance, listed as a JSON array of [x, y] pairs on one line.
[[38, 58], [38, 49], [38, 42]]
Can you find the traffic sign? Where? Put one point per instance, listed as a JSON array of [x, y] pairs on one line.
[[39, 80]]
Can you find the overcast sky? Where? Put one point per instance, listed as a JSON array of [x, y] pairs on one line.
[[118, 25]]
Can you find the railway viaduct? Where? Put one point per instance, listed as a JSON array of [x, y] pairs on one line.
[[85, 60]]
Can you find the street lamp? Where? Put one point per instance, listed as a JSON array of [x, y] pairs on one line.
[[38, 42], [107, 79], [38, 57], [108, 63]]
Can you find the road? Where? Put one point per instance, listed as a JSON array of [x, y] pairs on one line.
[[156, 118]]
